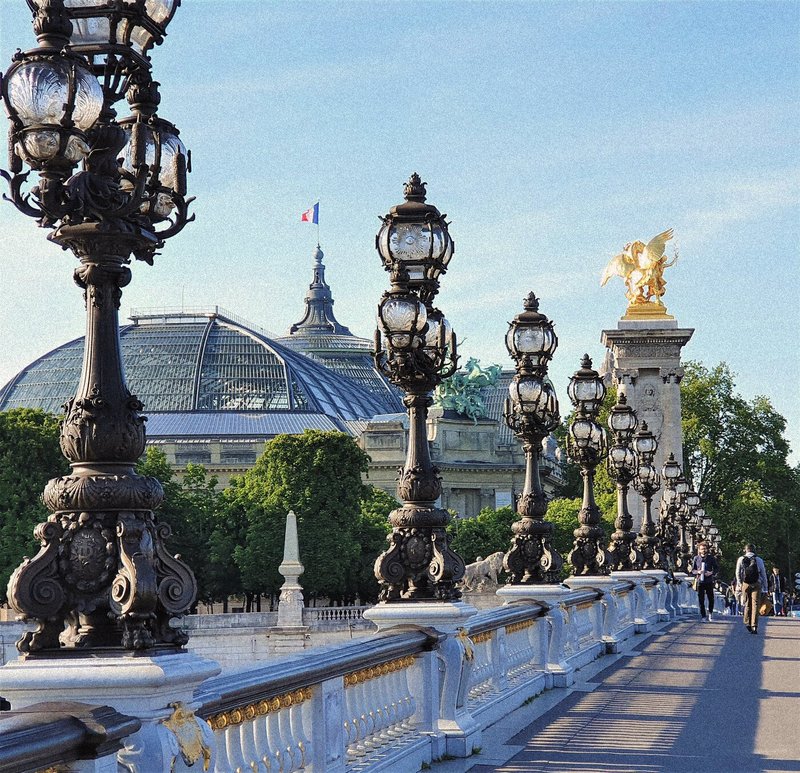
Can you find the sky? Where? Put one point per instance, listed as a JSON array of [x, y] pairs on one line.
[[551, 133]]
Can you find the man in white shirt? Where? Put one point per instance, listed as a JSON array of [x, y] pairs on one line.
[[751, 582]]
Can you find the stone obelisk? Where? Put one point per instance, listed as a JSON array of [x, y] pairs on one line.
[[644, 353], [290, 633]]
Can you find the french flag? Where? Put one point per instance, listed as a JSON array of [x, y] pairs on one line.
[[311, 215]]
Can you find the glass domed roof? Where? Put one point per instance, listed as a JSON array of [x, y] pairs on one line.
[[202, 362]]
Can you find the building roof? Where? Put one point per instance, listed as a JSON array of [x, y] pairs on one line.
[[319, 335], [209, 362]]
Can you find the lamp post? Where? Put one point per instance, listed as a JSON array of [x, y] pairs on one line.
[[622, 467], [683, 555], [691, 502], [415, 347], [647, 482], [586, 446], [531, 412], [103, 568], [668, 521]]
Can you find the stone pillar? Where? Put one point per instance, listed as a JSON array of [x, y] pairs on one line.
[[644, 363], [290, 633]]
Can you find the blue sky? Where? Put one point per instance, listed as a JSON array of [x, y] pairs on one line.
[[551, 134]]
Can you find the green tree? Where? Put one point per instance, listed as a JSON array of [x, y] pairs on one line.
[[191, 508], [318, 476], [372, 530], [563, 514], [29, 457], [737, 456], [486, 533]]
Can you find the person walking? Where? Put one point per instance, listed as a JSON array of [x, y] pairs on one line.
[[704, 568], [776, 589], [751, 579]]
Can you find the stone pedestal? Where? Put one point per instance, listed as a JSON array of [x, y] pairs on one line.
[[560, 672], [608, 623], [663, 603], [158, 690], [644, 614], [459, 731], [644, 363]]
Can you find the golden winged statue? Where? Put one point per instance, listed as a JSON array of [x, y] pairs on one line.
[[641, 267]]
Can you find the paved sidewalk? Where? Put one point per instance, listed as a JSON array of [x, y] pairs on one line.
[[693, 698]]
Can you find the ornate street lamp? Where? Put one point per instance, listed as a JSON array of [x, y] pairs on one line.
[[647, 482], [415, 347], [683, 554], [622, 467], [531, 412], [414, 236], [586, 446], [668, 531], [103, 569], [691, 501]]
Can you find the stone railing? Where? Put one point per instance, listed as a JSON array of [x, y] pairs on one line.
[[323, 617], [392, 701], [325, 710], [63, 737]]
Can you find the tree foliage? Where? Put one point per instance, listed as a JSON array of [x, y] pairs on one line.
[[318, 476], [486, 533], [737, 456], [29, 457]]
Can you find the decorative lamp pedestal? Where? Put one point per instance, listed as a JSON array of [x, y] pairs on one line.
[[558, 668], [455, 732], [644, 613], [662, 605], [608, 621], [158, 690], [441, 616]]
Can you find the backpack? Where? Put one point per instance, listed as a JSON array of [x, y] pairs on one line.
[[749, 570]]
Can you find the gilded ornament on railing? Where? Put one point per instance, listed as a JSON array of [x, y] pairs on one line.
[[520, 626], [373, 672], [249, 711], [480, 638], [186, 729], [641, 266]]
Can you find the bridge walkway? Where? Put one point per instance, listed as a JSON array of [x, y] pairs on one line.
[[694, 697]]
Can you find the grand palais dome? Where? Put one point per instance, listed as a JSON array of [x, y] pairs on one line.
[[207, 375]]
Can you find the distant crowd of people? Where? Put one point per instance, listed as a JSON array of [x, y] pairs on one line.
[[751, 593]]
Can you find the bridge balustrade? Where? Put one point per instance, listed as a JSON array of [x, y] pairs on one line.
[[403, 697]]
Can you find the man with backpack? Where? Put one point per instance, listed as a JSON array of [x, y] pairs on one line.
[[751, 580]]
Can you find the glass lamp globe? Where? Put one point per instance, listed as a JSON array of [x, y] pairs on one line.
[[622, 419], [52, 102], [102, 27], [531, 335], [440, 333], [156, 143], [645, 442], [586, 389], [648, 476], [671, 470], [527, 392], [692, 499], [402, 318], [415, 235]]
